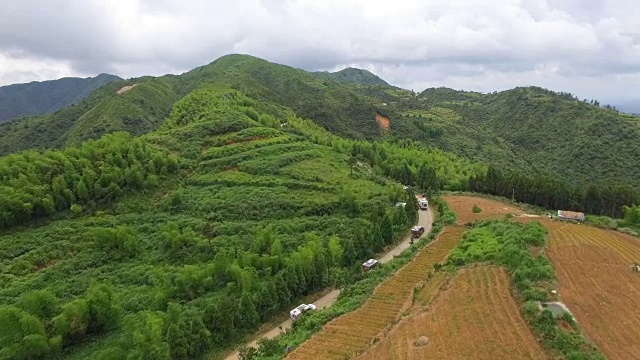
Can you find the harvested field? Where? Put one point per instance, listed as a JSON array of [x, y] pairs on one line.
[[432, 288], [597, 284], [491, 209], [475, 318], [353, 332]]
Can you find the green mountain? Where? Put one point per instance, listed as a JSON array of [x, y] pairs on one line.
[[529, 130], [36, 98], [139, 110], [524, 132], [181, 240], [353, 75], [339, 107]]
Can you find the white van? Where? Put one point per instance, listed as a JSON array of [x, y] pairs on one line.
[[295, 313]]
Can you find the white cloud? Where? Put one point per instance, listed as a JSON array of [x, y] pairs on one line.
[[576, 44], [14, 68]]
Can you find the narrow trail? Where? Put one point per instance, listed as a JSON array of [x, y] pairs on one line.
[[425, 219]]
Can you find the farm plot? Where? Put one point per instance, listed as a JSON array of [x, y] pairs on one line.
[[352, 332], [597, 284], [490, 209], [475, 318]]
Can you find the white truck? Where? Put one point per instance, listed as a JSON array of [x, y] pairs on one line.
[[424, 204], [295, 313]]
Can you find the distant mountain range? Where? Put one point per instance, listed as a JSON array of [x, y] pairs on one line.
[[629, 107], [37, 98]]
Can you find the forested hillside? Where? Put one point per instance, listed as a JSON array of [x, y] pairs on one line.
[[139, 110], [339, 106], [36, 98], [544, 147], [179, 241]]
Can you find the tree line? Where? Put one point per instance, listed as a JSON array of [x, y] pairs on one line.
[[38, 184], [406, 162], [554, 193]]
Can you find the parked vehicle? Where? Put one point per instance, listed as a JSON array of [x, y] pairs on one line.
[[370, 264], [417, 231], [424, 204], [295, 313]]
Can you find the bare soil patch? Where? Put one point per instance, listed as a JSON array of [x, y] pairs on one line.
[[597, 284], [383, 121], [462, 205], [125, 89]]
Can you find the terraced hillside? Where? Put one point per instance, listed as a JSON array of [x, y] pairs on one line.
[[493, 311], [183, 240], [565, 153]]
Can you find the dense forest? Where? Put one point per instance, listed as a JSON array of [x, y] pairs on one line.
[[528, 130], [168, 245]]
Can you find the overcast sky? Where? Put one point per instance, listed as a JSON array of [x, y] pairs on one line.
[[588, 47]]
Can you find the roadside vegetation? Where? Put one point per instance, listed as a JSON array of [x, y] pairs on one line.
[[352, 296], [629, 224], [508, 244]]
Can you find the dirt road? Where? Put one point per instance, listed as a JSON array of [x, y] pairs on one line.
[[425, 219]]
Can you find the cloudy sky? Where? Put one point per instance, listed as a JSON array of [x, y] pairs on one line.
[[588, 47]]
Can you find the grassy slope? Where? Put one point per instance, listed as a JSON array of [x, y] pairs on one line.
[[336, 105]]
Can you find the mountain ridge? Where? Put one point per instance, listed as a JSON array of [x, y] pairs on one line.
[[42, 97], [353, 75]]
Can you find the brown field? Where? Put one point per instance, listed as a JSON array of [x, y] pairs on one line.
[[597, 284], [432, 288], [491, 209], [594, 275], [475, 318], [353, 332]]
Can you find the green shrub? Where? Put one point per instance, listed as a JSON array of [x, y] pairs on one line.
[[476, 209]]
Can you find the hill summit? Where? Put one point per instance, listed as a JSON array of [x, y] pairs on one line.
[[355, 76]]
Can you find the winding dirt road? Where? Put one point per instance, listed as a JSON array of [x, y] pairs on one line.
[[425, 219]]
